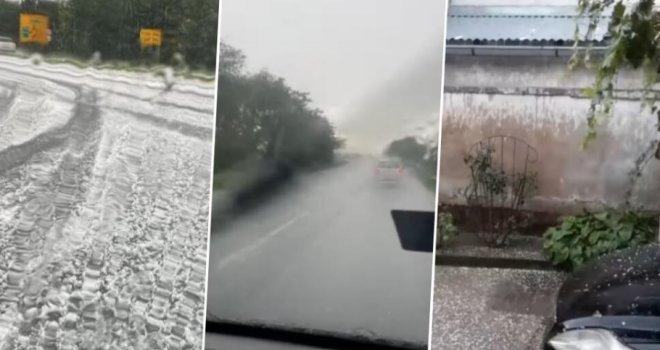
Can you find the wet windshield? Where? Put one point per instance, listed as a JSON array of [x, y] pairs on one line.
[[311, 96], [106, 124], [391, 164]]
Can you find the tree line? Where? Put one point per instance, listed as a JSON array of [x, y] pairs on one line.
[[83, 27], [259, 117]]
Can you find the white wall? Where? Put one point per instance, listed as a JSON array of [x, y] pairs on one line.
[[538, 101]]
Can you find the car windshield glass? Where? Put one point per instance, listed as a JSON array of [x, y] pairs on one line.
[[311, 96], [106, 124], [388, 164]]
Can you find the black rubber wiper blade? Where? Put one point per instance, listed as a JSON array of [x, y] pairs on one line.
[[307, 337]]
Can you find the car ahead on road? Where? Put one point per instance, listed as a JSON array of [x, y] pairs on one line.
[[389, 171], [6, 44], [612, 303]]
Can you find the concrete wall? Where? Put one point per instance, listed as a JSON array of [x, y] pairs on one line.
[[535, 99]]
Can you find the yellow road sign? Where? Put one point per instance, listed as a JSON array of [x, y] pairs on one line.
[[33, 29], [150, 37]]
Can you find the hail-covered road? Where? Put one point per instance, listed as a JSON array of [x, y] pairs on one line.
[[104, 181]]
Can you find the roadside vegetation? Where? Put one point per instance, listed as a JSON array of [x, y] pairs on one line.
[[634, 36], [580, 239], [447, 231], [82, 29], [417, 156], [261, 120]]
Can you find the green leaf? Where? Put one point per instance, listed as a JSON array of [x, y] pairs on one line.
[[548, 244], [562, 255], [617, 13], [588, 92], [625, 234], [562, 234], [576, 252]]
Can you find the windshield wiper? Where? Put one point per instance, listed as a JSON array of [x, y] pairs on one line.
[[306, 337]]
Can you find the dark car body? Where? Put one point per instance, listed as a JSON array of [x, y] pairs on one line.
[[619, 292]]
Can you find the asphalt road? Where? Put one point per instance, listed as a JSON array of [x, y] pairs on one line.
[[323, 254], [104, 187]]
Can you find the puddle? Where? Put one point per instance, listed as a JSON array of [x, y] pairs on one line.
[[512, 297]]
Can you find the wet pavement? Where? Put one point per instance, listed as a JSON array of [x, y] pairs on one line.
[[518, 247], [323, 254], [104, 187], [490, 308]]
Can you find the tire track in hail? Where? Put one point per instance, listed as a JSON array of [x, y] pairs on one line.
[[53, 198], [129, 282], [15, 155]]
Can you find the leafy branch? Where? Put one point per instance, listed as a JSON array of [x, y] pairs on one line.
[[634, 34]]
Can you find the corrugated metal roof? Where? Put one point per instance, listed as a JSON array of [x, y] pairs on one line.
[[518, 25]]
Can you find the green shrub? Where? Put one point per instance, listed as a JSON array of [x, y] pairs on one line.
[[446, 228], [579, 239]]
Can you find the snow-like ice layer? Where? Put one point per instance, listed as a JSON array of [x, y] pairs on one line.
[[104, 207], [30, 107]]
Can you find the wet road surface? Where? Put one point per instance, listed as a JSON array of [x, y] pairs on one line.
[[324, 254], [104, 186]]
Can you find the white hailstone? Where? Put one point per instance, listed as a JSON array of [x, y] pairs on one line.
[[52, 327], [31, 313], [70, 318]]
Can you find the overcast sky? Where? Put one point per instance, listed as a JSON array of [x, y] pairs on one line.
[[374, 66]]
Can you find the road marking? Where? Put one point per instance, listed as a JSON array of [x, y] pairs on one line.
[[240, 254]]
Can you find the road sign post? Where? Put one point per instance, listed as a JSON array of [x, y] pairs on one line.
[[151, 38]]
